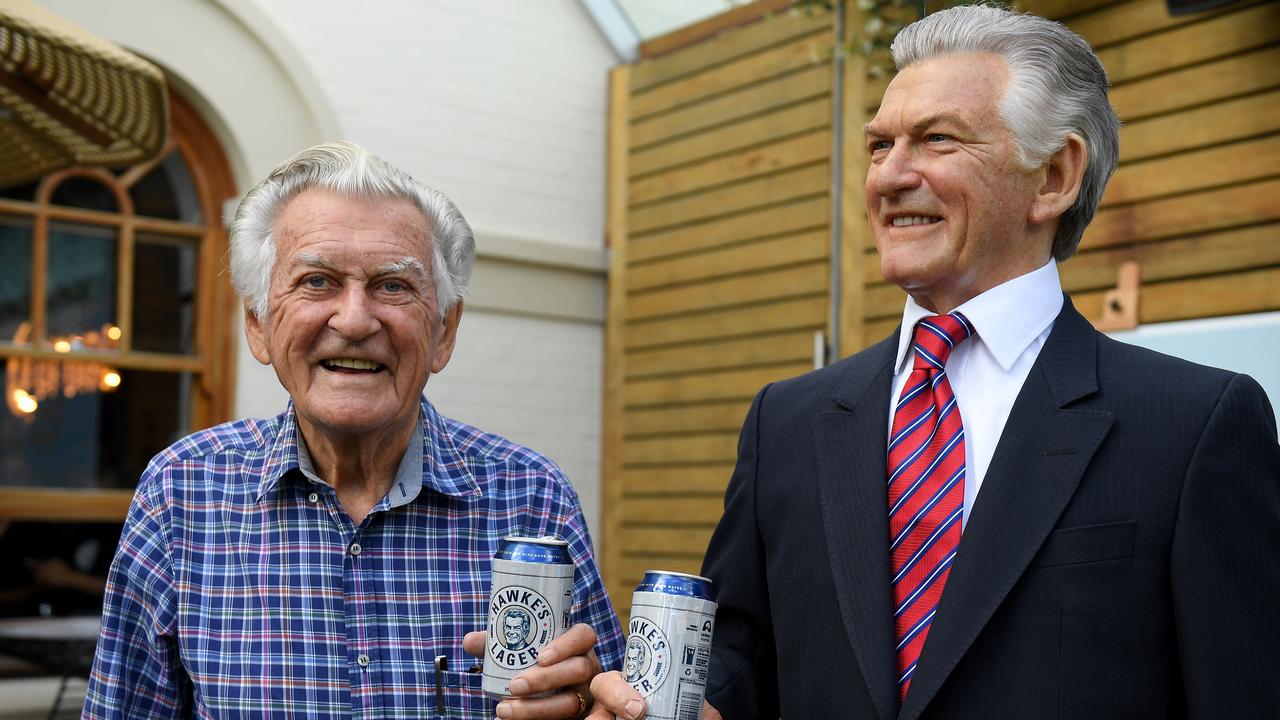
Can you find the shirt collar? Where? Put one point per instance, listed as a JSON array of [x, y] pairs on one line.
[[432, 460], [1007, 318]]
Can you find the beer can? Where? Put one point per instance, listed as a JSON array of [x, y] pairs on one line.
[[530, 600], [669, 643]]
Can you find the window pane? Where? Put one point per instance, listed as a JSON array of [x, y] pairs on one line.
[[20, 192], [95, 439], [82, 279], [167, 192], [164, 294], [86, 193], [15, 281]]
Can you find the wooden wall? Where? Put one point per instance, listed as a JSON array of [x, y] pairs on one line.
[[720, 274], [720, 228]]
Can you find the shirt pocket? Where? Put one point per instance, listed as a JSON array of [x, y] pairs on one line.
[[1087, 544], [463, 698]]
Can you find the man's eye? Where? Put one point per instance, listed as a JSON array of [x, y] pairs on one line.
[[394, 286], [315, 281], [938, 137], [878, 145]]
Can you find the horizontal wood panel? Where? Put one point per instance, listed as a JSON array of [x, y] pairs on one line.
[[804, 52], [666, 540], [746, 40], [807, 313], [1210, 253], [1058, 9], [1223, 35], [724, 385], [748, 195], [771, 349], [688, 418], [884, 300], [680, 450], [1126, 20], [798, 87], [756, 287], [1231, 294], [734, 259], [876, 330], [1217, 80], [751, 131], [1224, 121], [802, 214], [1184, 172], [753, 162], [1184, 215], [704, 479], [691, 509], [30, 504]]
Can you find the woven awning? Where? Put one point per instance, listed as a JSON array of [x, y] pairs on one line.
[[70, 98]]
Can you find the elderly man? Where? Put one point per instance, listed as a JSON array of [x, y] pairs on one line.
[[328, 562], [997, 511]]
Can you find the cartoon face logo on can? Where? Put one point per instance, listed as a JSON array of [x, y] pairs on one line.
[[648, 658], [523, 624]]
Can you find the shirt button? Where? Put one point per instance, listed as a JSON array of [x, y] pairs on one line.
[[355, 548], [313, 498], [362, 660]]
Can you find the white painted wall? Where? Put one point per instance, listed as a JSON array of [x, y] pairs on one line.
[[499, 104]]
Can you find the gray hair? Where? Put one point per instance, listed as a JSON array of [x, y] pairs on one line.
[[1057, 86], [349, 170]]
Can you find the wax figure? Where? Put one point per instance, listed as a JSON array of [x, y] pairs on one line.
[[316, 564], [997, 511]]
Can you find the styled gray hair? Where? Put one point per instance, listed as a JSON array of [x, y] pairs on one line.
[[349, 170], [1057, 86]]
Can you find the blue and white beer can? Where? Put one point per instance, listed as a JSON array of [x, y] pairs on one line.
[[668, 653], [530, 601]]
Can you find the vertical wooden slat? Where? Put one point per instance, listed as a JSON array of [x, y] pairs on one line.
[[854, 233], [124, 284], [615, 368]]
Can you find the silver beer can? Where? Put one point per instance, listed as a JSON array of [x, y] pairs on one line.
[[530, 600], [668, 652]]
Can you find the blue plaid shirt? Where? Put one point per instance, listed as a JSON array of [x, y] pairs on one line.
[[242, 589]]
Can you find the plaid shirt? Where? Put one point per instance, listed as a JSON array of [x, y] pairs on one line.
[[242, 589]]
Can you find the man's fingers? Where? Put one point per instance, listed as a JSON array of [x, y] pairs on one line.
[[577, 670], [577, 640], [473, 642], [710, 713], [614, 696], [564, 704]]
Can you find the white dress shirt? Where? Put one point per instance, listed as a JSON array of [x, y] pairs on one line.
[[986, 372]]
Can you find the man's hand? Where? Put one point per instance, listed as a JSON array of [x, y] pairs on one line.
[[614, 696], [565, 666]]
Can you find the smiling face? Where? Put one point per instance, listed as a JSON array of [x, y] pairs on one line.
[[352, 328], [514, 627], [948, 202]]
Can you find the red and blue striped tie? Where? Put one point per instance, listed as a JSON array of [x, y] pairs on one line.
[[926, 487]]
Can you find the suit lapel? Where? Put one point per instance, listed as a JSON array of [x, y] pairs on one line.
[[1037, 466], [850, 458]]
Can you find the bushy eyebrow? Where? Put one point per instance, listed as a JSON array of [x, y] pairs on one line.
[[924, 123], [407, 264]]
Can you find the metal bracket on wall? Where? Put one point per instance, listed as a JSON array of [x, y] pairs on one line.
[[1120, 305]]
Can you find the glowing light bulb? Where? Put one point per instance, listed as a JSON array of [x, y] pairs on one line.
[[61, 346], [24, 401], [113, 332], [111, 379]]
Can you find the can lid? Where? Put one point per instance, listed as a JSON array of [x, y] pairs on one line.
[[676, 583], [544, 540]]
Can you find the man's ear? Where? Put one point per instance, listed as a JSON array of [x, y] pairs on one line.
[[448, 337], [1059, 181], [256, 334]]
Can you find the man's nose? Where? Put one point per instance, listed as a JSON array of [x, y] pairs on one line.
[[355, 316], [895, 172]]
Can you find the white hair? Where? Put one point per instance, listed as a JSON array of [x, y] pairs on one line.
[[1057, 86], [349, 170]]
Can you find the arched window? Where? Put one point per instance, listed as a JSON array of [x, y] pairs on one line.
[[115, 321]]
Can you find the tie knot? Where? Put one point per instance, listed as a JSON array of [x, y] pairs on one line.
[[935, 338]]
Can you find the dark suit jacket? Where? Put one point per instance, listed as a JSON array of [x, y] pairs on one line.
[[1122, 559]]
